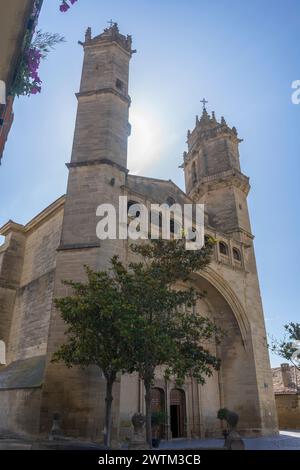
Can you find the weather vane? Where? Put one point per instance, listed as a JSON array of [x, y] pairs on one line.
[[204, 102]]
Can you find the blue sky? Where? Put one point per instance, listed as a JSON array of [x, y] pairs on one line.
[[242, 56]]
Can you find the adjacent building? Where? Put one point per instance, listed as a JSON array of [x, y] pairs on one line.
[[286, 382]]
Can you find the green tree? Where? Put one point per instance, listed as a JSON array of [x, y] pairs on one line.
[[95, 315], [135, 318], [289, 346], [165, 329]]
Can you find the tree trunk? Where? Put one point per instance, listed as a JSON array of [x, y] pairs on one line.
[[147, 384], [108, 411]]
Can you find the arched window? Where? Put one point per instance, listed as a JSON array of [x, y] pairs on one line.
[[170, 201], [129, 205], [120, 85], [223, 248], [236, 254], [194, 173]]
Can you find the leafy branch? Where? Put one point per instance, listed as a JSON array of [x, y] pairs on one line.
[[289, 346]]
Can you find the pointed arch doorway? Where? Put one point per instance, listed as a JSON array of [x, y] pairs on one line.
[[177, 413]]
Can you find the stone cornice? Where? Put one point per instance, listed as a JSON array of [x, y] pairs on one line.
[[97, 161], [11, 226], [78, 246], [225, 178], [103, 91]]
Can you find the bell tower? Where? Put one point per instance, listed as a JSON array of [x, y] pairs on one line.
[[97, 174], [98, 164], [213, 174], [213, 177], [102, 126]]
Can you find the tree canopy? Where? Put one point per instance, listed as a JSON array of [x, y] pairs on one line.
[[138, 317]]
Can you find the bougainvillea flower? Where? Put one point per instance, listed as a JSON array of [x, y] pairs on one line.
[[35, 89], [64, 7]]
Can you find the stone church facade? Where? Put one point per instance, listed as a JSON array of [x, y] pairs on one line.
[[57, 243]]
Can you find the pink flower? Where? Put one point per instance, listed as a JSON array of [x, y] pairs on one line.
[[35, 89], [64, 7]]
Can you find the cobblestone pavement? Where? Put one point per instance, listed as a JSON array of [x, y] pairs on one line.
[[286, 440]]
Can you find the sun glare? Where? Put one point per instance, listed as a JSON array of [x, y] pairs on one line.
[[146, 141]]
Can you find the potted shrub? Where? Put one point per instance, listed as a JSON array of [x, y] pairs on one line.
[[233, 440]]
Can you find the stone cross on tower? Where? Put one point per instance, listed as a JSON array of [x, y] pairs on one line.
[[204, 102], [111, 23]]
